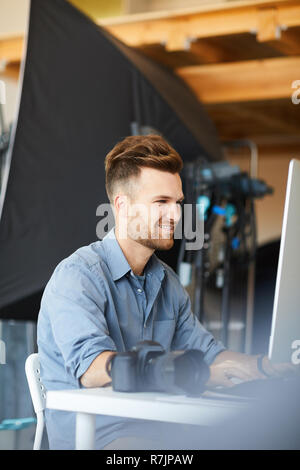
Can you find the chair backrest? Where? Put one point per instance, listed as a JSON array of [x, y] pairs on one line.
[[36, 387]]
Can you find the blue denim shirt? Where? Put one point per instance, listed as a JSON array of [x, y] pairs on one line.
[[93, 302]]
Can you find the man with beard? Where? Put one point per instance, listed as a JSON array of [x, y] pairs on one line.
[[108, 296]]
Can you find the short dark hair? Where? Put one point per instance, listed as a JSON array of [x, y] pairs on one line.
[[124, 161]]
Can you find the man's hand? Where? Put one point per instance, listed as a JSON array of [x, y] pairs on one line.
[[229, 364]]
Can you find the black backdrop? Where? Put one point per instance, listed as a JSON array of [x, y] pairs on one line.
[[82, 90]]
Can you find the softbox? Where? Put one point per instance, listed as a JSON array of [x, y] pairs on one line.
[[82, 92]]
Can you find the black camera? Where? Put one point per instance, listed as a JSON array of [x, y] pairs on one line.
[[148, 367]]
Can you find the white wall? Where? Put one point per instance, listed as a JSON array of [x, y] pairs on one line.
[[13, 16], [273, 169]]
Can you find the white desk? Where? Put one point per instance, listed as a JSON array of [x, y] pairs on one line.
[[87, 403]]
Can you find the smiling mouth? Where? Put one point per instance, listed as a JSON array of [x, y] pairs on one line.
[[166, 228]]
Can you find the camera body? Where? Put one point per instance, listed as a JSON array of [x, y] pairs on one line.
[[148, 367]]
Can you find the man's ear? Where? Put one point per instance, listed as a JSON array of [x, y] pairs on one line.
[[121, 205]]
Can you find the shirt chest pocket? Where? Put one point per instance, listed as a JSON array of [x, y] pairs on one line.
[[163, 332]]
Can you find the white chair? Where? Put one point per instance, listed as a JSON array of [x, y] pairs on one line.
[[38, 395]]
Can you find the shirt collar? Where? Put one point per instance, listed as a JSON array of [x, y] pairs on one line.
[[118, 264]]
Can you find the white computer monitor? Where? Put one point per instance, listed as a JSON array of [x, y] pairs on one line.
[[285, 329]]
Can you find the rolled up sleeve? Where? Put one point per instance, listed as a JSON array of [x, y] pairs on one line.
[[76, 304], [190, 334]]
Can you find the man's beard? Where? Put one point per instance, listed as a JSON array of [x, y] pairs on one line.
[[154, 241]]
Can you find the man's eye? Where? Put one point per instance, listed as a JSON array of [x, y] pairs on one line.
[[178, 202]]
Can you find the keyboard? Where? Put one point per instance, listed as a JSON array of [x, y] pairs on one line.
[[260, 388]]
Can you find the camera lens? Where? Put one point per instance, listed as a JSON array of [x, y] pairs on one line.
[[177, 372], [191, 372]]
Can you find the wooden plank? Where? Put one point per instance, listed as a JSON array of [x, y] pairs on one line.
[[242, 81], [174, 29], [231, 48], [268, 25], [219, 49]]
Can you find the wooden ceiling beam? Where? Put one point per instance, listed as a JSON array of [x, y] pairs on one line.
[[269, 27], [242, 81], [176, 29]]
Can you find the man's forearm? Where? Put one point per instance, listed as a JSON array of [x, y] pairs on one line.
[[96, 375]]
